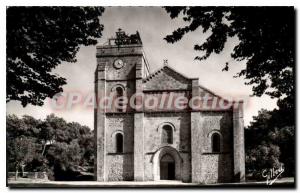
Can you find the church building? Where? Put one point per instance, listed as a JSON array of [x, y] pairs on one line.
[[164, 142]]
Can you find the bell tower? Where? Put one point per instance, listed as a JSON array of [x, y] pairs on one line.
[[121, 65]]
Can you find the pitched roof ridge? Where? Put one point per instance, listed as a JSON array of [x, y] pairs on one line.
[[150, 76], [211, 92], [171, 68]]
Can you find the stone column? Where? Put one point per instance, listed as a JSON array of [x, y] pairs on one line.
[[196, 133], [139, 128], [138, 147], [238, 143], [99, 123], [196, 151]]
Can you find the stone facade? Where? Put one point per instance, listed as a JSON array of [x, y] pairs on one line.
[[130, 141]]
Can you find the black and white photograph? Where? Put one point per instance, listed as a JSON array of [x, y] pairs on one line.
[[150, 97]]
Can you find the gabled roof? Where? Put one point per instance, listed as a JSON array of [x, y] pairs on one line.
[[152, 75], [167, 67]]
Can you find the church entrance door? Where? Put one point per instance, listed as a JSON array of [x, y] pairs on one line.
[[167, 168]]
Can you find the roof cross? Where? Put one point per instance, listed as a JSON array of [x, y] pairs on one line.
[[165, 62]]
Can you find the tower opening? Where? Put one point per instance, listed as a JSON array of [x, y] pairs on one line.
[[119, 143]]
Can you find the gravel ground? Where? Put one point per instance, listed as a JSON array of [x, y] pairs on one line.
[[284, 182]]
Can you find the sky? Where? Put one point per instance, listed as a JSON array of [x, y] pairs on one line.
[[153, 24]]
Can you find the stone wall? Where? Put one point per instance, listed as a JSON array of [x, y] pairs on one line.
[[153, 123], [128, 88], [166, 101], [209, 167], [130, 55], [216, 168], [119, 166], [220, 122], [181, 135]]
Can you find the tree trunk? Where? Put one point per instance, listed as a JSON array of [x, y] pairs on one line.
[[44, 148], [22, 168], [16, 174]]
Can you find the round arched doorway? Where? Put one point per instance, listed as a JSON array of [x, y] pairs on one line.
[[167, 164], [167, 167]]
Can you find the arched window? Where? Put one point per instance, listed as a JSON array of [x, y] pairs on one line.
[[119, 143], [167, 134], [119, 93], [216, 143]]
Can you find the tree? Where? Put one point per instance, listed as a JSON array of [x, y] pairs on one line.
[[23, 146], [268, 143], [64, 150], [22, 150], [266, 41], [262, 157], [14, 127], [64, 159], [38, 40]]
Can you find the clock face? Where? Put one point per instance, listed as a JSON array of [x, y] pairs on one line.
[[118, 63]]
